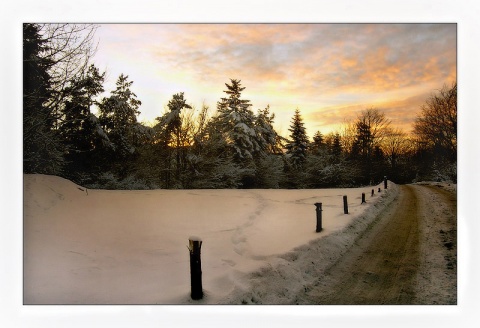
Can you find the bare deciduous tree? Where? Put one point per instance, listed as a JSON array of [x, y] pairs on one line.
[[367, 131], [375, 122], [396, 144], [348, 136], [436, 126], [70, 48]]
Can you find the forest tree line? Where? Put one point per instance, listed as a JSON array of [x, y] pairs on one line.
[[70, 130]]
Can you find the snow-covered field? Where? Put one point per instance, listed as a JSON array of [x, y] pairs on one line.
[[130, 247]]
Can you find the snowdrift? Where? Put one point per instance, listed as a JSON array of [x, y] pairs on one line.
[[130, 247]]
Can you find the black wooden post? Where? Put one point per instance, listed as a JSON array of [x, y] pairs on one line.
[[319, 216], [195, 245], [363, 197], [385, 182], [345, 205]]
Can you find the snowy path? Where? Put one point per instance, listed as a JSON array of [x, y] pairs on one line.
[[437, 278], [381, 266], [405, 254]]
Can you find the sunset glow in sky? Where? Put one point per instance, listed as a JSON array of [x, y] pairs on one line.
[[329, 71]]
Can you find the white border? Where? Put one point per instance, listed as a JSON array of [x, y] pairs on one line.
[[14, 314]]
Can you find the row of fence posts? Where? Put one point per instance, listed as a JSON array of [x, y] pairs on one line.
[[195, 245], [318, 206]]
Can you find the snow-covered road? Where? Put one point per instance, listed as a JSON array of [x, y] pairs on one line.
[[403, 253], [407, 257]]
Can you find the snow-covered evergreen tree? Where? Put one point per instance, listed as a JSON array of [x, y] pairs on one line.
[[42, 147], [80, 129], [298, 143], [237, 122], [57, 88], [211, 164], [336, 147], [118, 116], [174, 134], [172, 120], [318, 142], [269, 139]]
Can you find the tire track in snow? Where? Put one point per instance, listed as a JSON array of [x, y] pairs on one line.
[[408, 257], [381, 267]]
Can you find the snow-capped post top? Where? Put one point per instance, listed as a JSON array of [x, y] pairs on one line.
[[194, 243]]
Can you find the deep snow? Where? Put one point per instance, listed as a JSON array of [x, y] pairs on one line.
[[130, 247]]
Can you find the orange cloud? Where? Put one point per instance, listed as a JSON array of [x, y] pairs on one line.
[[327, 70], [402, 113], [349, 63]]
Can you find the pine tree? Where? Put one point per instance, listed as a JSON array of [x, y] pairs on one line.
[[173, 120], [76, 125], [298, 142], [80, 129], [174, 138], [318, 143], [271, 142], [118, 116], [212, 162], [55, 60], [42, 147], [336, 148], [236, 121]]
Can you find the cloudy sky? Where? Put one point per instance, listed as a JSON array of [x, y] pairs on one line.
[[329, 71]]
